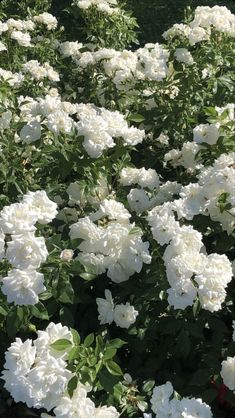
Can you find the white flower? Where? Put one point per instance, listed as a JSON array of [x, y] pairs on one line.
[[20, 356], [173, 157], [23, 286], [41, 205], [106, 412], [76, 195], [208, 133], [192, 407], [66, 255], [47, 19], [106, 308], [163, 139], [145, 178], [160, 397], [138, 200], [26, 251], [113, 210], [3, 27], [39, 71], [85, 229], [182, 294], [70, 49], [125, 315], [5, 120], [197, 34], [191, 203], [31, 132], [23, 39], [14, 221], [48, 381], [13, 79], [100, 126], [129, 175], [213, 280], [59, 121], [183, 55], [52, 333], [178, 29], [77, 406]]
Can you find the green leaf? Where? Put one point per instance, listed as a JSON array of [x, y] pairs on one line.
[[148, 386], [3, 311], [113, 368], [89, 340], [87, 276], [76, 337], [66, 292], [196, 307], [14, 321], [136, 117], [107, 380], [135, 231], [109, 353], [72, 384], [116, 343], [61, 345], [39, 311], [73, 354]]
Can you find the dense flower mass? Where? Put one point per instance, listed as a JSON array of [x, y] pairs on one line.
[[25, 251], [114, 246], [37, 374], [122, 315], [163, 405], [116, 213], [103, 6]]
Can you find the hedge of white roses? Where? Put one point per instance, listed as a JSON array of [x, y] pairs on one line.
[[117, 216]]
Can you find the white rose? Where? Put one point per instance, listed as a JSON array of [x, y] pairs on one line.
[[228, 372], [26, 251], [66, 255], [208, 133], [106, 308], [30, 132], [23, 286], [125, 315], [41, 205]]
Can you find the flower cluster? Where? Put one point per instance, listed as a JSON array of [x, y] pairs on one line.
[[38, 72], [122, 315], [204, 197], [190, 272], [163, 404], [37, 374], [114, 245], [125, 67], [25, 251], [111, 132], [18, 29], [205, 19], [99, 126], [104, 6]]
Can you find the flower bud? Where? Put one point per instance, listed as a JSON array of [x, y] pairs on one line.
[[66, 255]]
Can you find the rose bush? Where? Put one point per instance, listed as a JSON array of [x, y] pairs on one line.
[[117, 215]]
